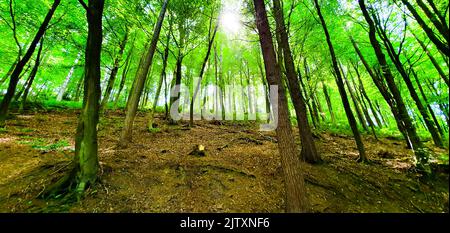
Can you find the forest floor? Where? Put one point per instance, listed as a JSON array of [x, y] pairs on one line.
[[241, 171]]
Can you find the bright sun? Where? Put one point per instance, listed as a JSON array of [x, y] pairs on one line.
[[231, 18], [231, 22]]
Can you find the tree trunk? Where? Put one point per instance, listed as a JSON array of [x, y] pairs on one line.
[[387, 95], [139, 81], [424, 97], [80, 84], [365, 96], [32, 76], [309, 151], [359, 114], [442, 28], [443, 47], [266, 89], [125, 71], [327, 98], [114, 72], [295, 189], [160, 83], [433, 60], [21, 64], [11, 69], [202, 71], [85, 162], [395, 57], [421, 155], [341, 87], [63, 88]]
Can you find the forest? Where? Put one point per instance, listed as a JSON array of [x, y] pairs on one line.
[[224, 106]]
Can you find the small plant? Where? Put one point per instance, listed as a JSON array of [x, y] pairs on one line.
[[154, 130], [43, 145]]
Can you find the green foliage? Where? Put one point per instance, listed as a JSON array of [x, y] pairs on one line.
[[43, 145]]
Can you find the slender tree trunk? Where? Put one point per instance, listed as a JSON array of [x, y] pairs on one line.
[[364, 95], [139, 81], [114, 72], [295, 189], [21, 64], [359, 114], [395, 57], [80, 84], [378, 109], [202, 71], [125, 71], [360, 99], [341, 87], [160, 83], [309, 151], [433, 61], [387, 95], [417, 146], [441, 27], [443, 47], [424, 97], [32, 75], [11, 69], [439, 14], [266, 89], [327, 98], [63, 88], [20, 92]]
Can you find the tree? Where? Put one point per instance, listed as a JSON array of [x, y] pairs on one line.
[[22, 62], [340, 84], [308, 152], [293, 177], [211, 36], [419, 151], [141, 76], [85, 163]]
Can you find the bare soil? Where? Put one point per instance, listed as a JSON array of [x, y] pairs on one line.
[[241, 171]]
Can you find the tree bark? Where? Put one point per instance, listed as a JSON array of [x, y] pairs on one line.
[[433, 61], [160, 83], [442, 28], [425, 99], [387, 95], [365, 96], [125, 71], [327, 98], [356, 104]]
